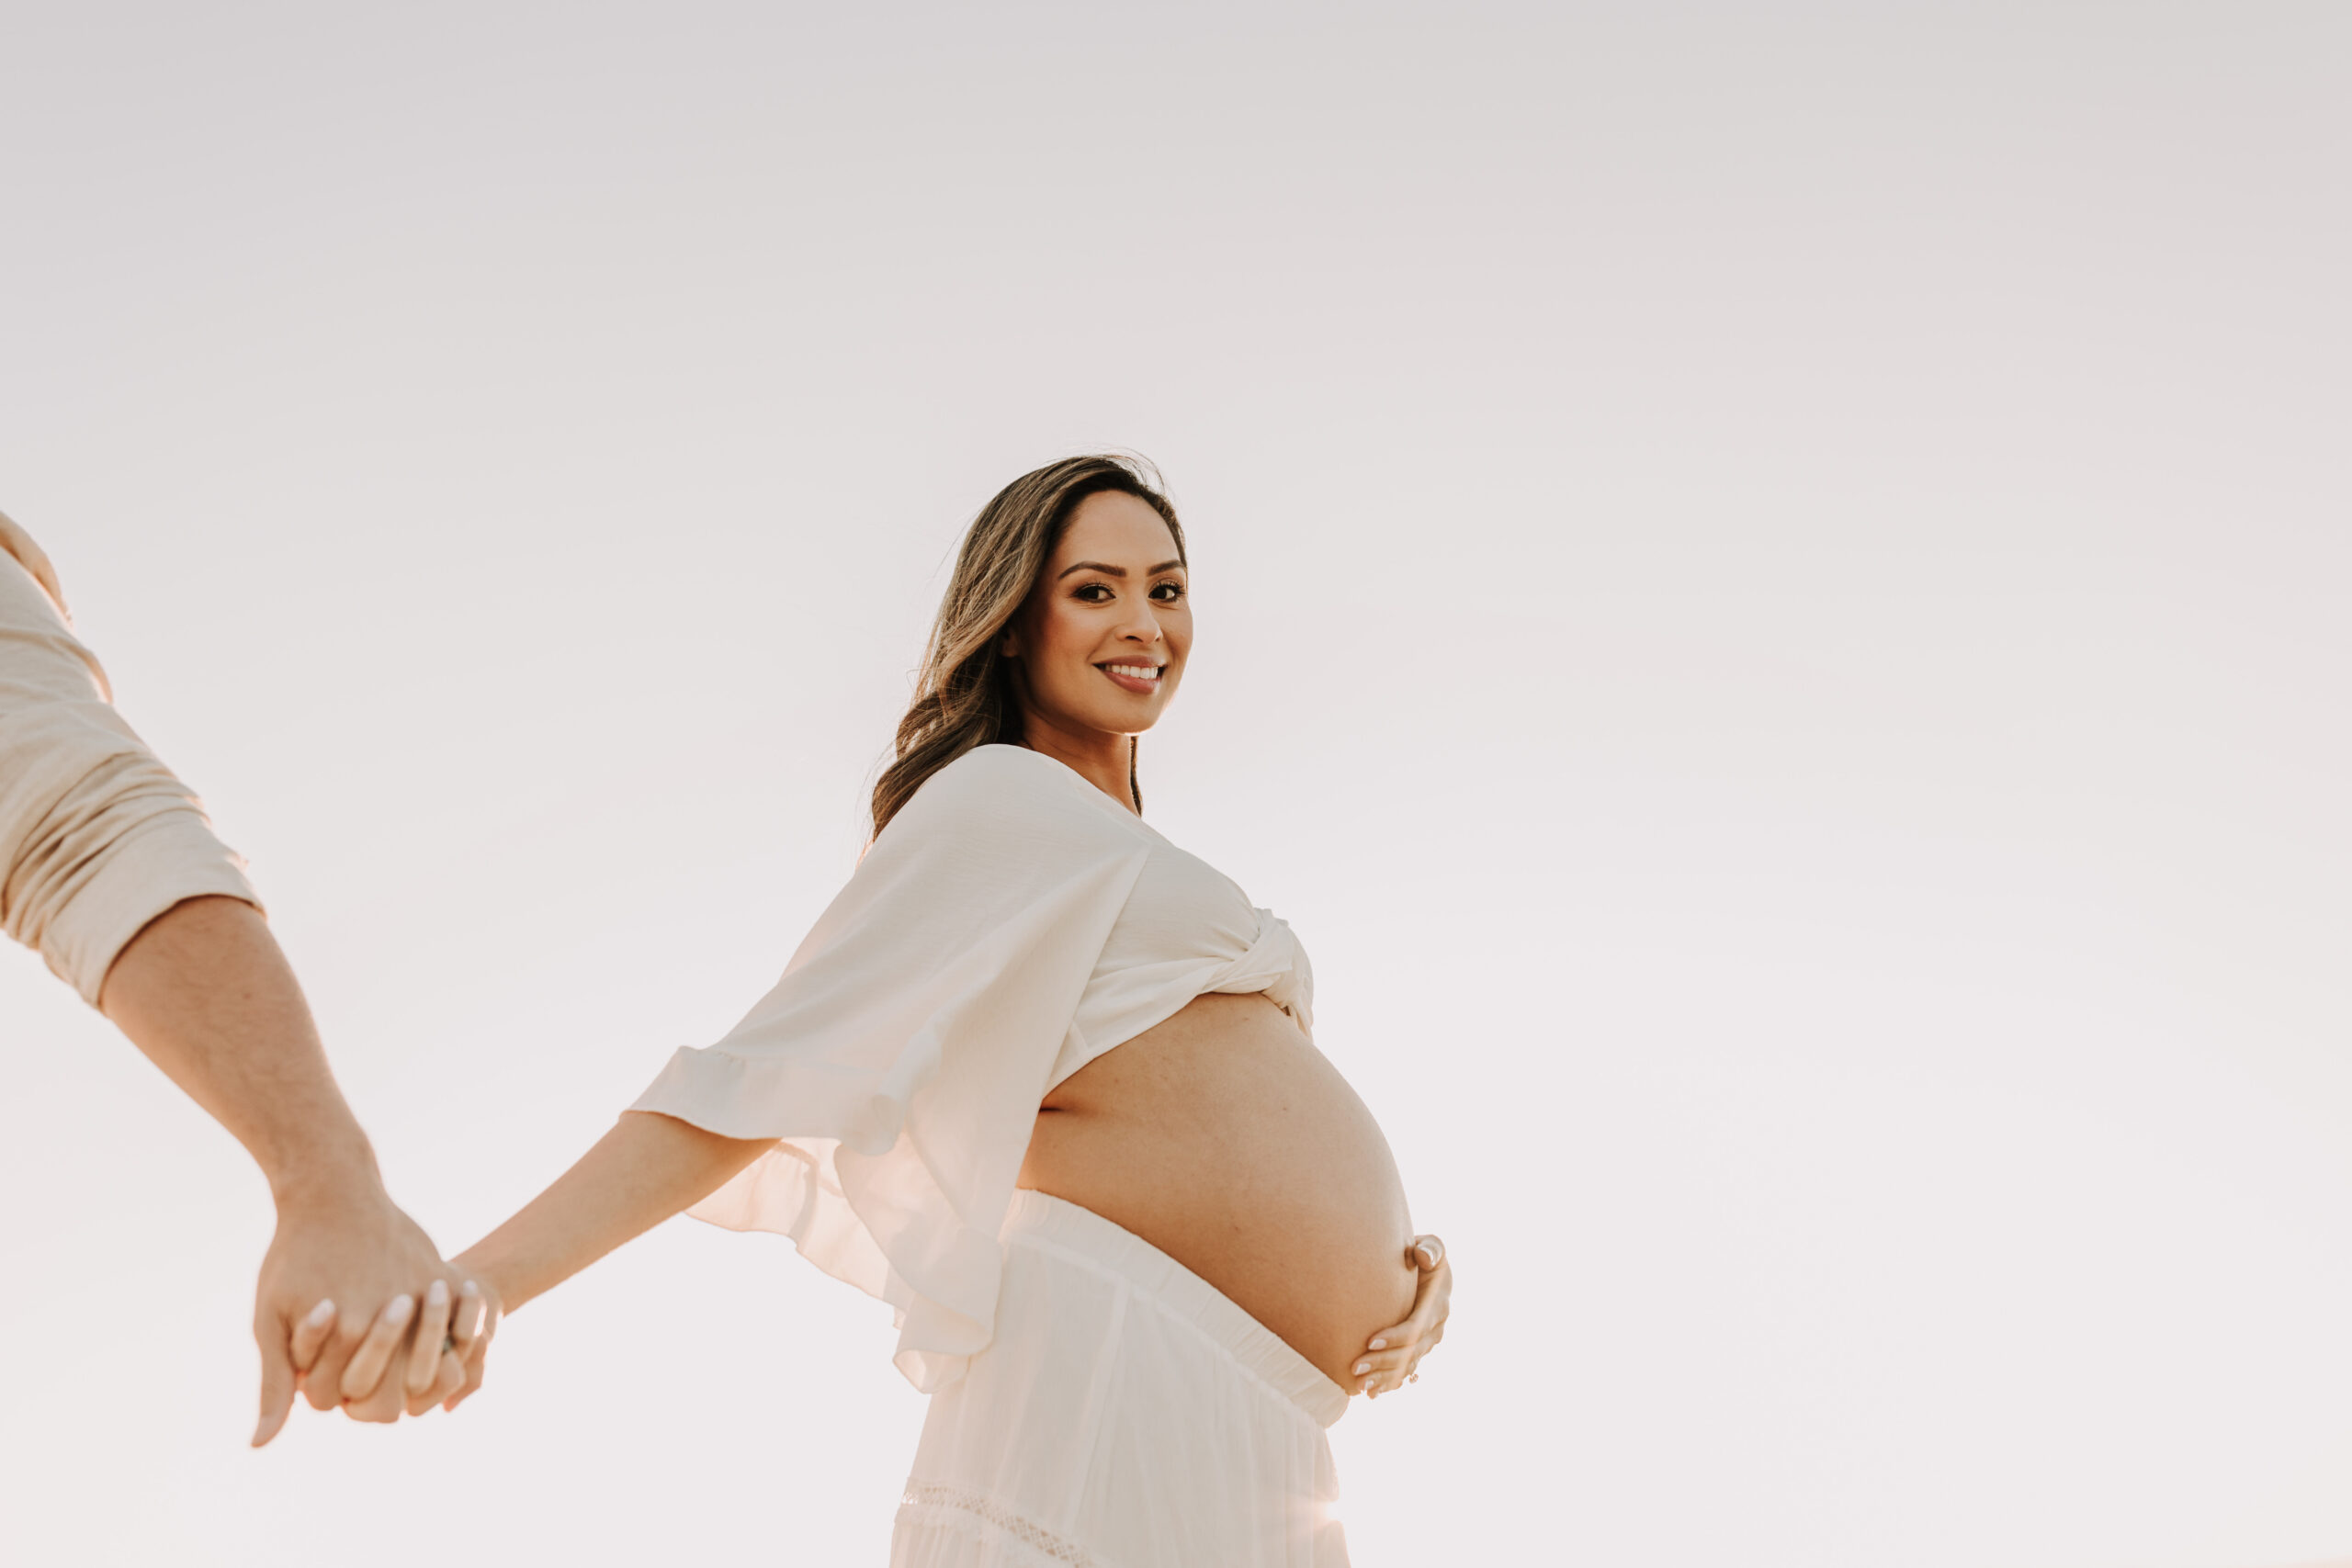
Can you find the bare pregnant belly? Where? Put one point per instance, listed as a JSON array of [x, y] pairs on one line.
[[1229, 1141]]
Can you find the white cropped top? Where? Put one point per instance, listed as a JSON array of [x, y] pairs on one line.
[[1009, 925]]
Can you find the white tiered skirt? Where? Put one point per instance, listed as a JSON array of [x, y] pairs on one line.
[[1126, 1416]]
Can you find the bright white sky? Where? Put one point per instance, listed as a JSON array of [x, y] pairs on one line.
[[1772, 603]]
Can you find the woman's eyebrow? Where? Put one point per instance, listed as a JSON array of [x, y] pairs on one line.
[[1112, 571]]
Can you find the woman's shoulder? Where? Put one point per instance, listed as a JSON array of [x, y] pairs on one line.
[[998, 771], [1007, 787]]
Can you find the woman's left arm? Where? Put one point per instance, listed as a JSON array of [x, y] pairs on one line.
[[1389, 1362], [647, 1169]]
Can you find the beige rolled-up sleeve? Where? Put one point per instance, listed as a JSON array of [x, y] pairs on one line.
[[97, 836]]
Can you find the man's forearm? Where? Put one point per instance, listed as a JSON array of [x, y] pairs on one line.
[[206, 992]]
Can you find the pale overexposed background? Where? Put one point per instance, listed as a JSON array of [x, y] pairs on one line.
[[1773, 604]]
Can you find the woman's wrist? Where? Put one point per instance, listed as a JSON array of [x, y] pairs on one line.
[[496, 1275]]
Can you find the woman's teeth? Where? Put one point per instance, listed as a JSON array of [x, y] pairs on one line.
[[1135, 672]]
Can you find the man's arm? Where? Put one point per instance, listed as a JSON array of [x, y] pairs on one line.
[[109, 870], [205, 991]]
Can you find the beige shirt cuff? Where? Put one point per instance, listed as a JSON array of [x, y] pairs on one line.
[[97, 836], [143, 872]]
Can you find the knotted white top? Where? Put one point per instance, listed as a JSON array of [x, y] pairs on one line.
[[1010, 924]]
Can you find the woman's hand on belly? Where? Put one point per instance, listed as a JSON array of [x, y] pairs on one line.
[[1226, 1140], [1393, 1354]]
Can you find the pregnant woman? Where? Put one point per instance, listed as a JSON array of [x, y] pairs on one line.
[[1045, 1083]]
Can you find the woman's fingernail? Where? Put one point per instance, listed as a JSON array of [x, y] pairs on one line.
[[401, 1306], [470, 1288], [437, 1294], [321, 1315], [1362, 1367], [1380, 1344]]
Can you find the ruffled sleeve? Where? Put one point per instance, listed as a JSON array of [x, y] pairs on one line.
[[902, 1056]]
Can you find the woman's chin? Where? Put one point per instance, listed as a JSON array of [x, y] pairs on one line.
[[1122, 714], [1130, 717], [1137, 723]]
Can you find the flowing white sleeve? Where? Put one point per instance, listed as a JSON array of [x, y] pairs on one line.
[[902, 1056]]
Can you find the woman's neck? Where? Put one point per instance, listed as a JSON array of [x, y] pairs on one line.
[[1104, 760]]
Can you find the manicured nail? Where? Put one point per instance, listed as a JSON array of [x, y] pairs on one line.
[[401, 1306], [1380, 1344], [321, 1315], [470, 1288], [1362, 1367], [437, 1294]]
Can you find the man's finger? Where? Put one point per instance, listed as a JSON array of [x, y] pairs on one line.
[[450, 1376], [424, 1351], [323, 1384], [386, 1405], [276, 1386], [310, 1334], [374, 1353], [474, 1377], [472, 1319]]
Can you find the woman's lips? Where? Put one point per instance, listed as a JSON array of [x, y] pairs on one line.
[[1123, 677]]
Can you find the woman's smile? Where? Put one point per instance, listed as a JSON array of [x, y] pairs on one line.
[[1133, 675]]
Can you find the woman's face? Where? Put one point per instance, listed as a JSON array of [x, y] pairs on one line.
[[1102, 639]]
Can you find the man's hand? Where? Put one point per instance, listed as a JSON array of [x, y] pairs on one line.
[[204, 990], [347, 1245]]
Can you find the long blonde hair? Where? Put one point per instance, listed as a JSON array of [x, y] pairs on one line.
[[964, 693]]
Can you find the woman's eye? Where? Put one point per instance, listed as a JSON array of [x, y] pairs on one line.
[[1093, 592], [1167, 592]]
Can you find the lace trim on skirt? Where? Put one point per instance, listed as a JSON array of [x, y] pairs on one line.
[[988, 1524]]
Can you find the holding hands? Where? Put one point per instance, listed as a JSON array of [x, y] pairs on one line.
[[432, 1356], [206, 992], [334, 1261]]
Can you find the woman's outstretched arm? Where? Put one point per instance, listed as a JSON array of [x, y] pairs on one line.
[[647, 1169]]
